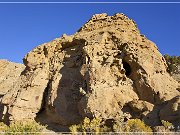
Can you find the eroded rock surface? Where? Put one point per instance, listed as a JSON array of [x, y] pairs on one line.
[[107, 70], [9, 77], [9, 74]]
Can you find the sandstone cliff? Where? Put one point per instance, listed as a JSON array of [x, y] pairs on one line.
[[9, 74], [107, 69]]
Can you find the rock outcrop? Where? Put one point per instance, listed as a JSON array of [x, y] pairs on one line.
[[107, 70], [9, 74]]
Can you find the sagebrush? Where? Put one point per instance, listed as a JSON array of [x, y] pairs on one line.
[[97, 125], [22, 127]]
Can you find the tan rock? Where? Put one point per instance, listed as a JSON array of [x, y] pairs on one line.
[[9, 74], [95, 73], [140, 106]]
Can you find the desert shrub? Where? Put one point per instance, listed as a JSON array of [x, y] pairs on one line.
[[2, 127], [74, 128], [173, 63], [24, 127], [167, 124], [120, 127], [97, 126], [94, 126], [132, 125], [136, 125]]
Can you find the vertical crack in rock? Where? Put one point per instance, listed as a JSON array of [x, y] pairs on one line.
[[44, 100], [68, 85]]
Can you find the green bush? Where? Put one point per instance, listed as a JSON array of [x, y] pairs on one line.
[[95, 125], [24, 127]]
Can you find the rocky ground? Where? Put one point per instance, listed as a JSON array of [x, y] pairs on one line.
[[107, 70]]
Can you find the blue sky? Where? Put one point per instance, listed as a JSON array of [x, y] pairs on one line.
[[24, 26]]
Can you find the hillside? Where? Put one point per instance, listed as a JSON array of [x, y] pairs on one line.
[[107, 70]]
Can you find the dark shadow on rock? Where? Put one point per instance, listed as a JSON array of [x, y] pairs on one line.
[[4, 116], [51, 126], [64, 110], [152, 118]]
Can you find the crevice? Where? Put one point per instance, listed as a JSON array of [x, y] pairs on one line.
[[109, 123], [45, 95], [127, 68], [24, 99]]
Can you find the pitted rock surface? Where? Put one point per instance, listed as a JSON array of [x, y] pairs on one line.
[[9, 74], [107, 69]]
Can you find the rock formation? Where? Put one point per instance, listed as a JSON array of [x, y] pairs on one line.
[[9, 76], [107, 69]]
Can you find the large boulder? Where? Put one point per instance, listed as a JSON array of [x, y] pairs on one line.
[[96, 72]]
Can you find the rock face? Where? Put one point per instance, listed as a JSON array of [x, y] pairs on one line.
[[107, 70], [9, 74]]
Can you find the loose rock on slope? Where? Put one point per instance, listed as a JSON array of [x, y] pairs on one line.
[[107, 70]]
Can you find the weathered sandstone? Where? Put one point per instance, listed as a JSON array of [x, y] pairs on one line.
[[107, 69]]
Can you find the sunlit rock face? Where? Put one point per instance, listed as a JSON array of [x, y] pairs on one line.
[[107, 69], [9, 74]]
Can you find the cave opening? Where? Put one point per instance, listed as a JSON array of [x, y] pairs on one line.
[[127, 68]]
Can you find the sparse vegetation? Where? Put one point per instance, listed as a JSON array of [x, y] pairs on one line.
[[132, 125], [3, 127], [97, 126], [22, 127], [167, 124], [173, 63], [136, 125], [120, 126]]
